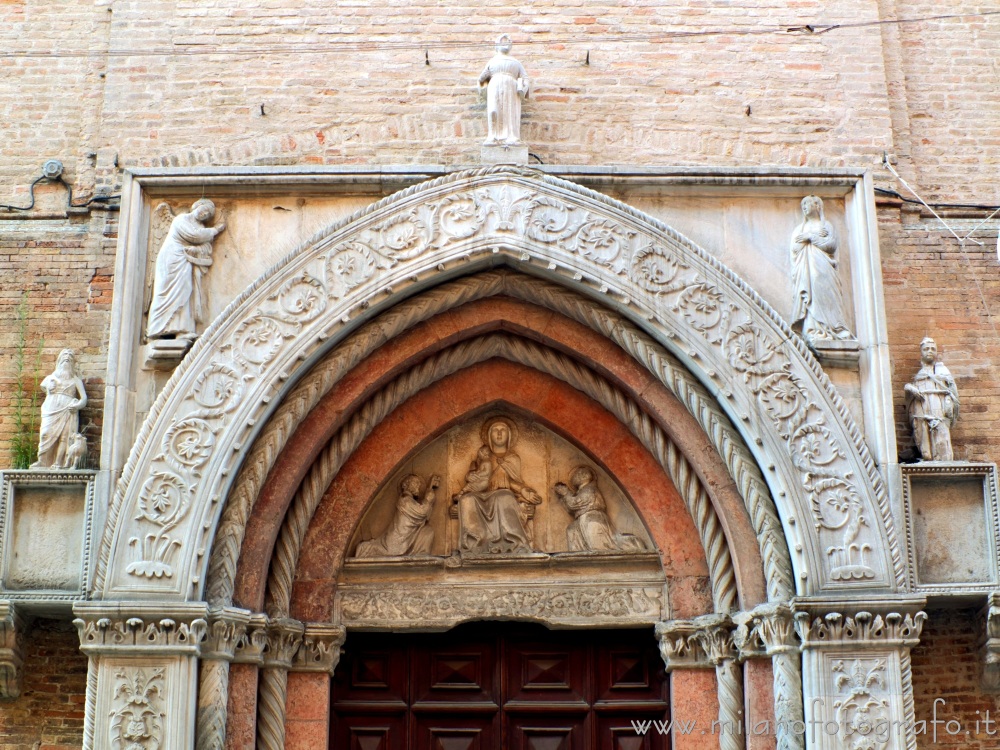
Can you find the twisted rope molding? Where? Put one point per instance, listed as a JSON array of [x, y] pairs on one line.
[[464, 355], [788, 712], [727, 441], [90, 706], [729, 676], [428, 190], [271, 711]]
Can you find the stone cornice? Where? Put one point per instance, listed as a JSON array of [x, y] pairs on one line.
[[140, 628], [284, 636], [701, 643], [875, 623], [320, 648], [227, 627], [766, 630], [13, 625]]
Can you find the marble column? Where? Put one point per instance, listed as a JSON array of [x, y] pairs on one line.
[[227, 627], [283, 639]]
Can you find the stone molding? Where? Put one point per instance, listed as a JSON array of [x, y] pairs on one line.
[[320, 648], [766, 630], [13, 626], [284, 636], [859, 625], [250, 648], [140, 628], [228, 379], [227, 628], [990, 649], [700, 643]]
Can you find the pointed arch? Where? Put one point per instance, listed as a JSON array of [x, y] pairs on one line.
[[831, 500]]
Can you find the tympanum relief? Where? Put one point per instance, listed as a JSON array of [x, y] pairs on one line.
[[504, 478]]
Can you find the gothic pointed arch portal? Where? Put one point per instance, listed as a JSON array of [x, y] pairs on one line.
[[830, 498]]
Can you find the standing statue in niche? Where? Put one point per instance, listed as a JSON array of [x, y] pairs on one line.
[[932, 405], [183, 260], [818, 308], [60, 445], [506, 84], [591, 528], [495, 507], [409, 532]]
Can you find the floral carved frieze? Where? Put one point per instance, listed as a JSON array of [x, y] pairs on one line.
[[863, 629], [138, 709], [141, 629], [169, 495], [437, 606]]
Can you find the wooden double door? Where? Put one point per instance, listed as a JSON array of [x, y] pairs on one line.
[[499, 686]]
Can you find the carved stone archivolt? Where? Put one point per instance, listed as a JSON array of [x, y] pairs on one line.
[[820, 459]]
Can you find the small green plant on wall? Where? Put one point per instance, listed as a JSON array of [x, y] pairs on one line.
[[24, 444]]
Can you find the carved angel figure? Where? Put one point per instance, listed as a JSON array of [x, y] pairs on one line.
[[591, 528], [183, 260], [409, 532], [59, 444], [495, 507], [506, 84], [932, 405], [817, 310]]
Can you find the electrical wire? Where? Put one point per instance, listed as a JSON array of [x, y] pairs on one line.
[[536, 38]]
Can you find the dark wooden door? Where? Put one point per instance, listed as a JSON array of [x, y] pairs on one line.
[[499, 686]]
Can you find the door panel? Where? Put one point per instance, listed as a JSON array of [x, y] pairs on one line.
[[487, 686]]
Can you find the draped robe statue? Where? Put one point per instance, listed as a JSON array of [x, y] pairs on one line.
[[932, 405], [818, 306], [408, 532], [506, 84], [183, 259], [495, 506], [60, 444]]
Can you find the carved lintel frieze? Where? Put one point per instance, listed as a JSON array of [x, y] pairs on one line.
[[283, 638], [227, 626], [766, 630], [13, 625], [700, 643], [990, 650], [140, 628], [320, 648], [872, 624], [250, 647]]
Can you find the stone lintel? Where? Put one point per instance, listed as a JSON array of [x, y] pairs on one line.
[[140, 628]]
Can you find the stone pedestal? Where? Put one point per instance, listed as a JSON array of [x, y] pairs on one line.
[[499, 154]]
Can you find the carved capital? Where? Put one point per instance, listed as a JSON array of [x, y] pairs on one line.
[[879, 624], [320, 648], [227, 626], [140, 628], [283, 639], [13, 625], [765, 630], [250, 647], [990, 650], [696, 644]]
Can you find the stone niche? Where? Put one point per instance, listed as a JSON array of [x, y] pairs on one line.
[[45, 520], [951, 523], [523, 525]]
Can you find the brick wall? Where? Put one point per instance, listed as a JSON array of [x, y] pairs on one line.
[[49, 713], [946, 666]]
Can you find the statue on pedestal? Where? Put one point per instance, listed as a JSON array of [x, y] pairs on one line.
[[932, 405], [506, 85], [818, 307], [60, 444], [183, 260]]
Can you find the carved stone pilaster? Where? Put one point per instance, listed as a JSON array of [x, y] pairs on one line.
[[320, 648], [145, 657], [856, 671], [990, 650], [226, 629], [284, 636], [707, 642], [13, 625], [769, 631]]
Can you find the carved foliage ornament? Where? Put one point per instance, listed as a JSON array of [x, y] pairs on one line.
[[894, 628], [227, 384], [137, 709]]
